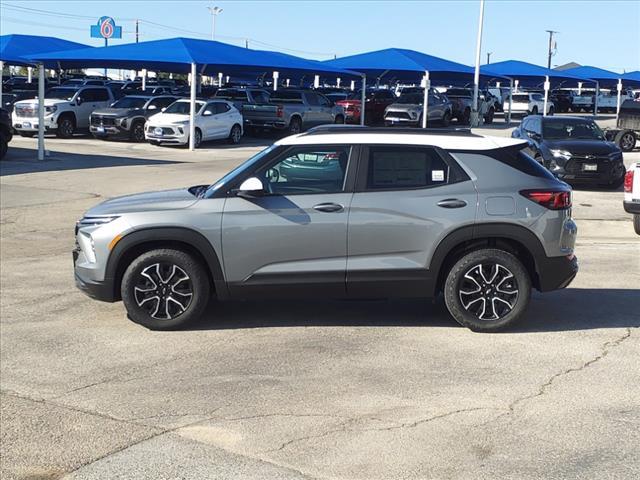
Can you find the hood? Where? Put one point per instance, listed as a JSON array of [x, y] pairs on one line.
[[146, 202], [116, 112], [404, 107], [168, 118], [583, 147], [34, 102]]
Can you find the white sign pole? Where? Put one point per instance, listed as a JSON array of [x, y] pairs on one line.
[[1, 69], [363, 98], [425, 101], [144, 79], [510, 100], [29, 74], [546, 95], [316, 81], [276, 75], [619, 88], [192, 109], [219, 79], [40, 111], [353, 85]]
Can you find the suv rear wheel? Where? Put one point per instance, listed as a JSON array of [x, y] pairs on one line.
[[164, 289], [487, 290]]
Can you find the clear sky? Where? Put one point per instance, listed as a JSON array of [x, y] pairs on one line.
[[600, 33]]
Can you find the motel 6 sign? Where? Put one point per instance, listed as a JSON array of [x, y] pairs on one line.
[[106, 28]]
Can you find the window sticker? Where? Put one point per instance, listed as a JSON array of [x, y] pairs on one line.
[[437, 175]]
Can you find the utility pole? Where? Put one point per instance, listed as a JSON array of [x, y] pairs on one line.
[[215, 11], [489, 57], [550, 51], [137, 30], [246, 43], [475, 117]]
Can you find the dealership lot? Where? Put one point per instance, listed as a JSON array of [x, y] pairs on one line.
[[371, 389]]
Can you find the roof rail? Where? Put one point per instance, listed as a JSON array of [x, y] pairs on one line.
[[346, 129]]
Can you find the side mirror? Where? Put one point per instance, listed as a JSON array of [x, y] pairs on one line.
[[152, 107], [163, 109], [79, 101], [251, 188], [207, 113]]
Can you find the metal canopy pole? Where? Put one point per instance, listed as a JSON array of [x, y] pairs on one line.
[[619, 88], [1, 69], [510, 100], [595, 100], [144, 79], [425, 100], [276, 75], [192, 108], [40, 111], [363, 98], [475, 116], [546, 95]]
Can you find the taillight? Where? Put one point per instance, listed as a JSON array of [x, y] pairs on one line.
[[628, 181], [551, 199], [280, 111]]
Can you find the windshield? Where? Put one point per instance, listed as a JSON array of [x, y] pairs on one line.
[[521, 98], [411, 98], [232, 94], [182, 108], [238, 170], [61, 93], [130, 102], [571, 129]]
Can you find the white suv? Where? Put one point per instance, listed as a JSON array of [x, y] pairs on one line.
[[632, 194], [66, 110], [215, 119], [528, 104]]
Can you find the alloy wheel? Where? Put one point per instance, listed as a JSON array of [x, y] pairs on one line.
[[488, 291], [236, 134], [138, 132], [163, 290], [627, 142]]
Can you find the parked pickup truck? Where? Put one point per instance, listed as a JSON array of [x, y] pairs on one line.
[[632, 194], [65, 110], [608, 102], [462, 100], [242, 96], [627, 128], [583, 102], [292, 110]]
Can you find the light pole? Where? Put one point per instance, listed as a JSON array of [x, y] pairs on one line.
[[215, 11], [551, 47], [489, 57], [475, 117]]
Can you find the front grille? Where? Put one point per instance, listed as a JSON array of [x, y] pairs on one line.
[[575, 165], [102, 120], [165, 130], [403, 115], [26, 110]]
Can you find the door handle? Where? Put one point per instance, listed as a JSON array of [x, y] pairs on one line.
[[452, 203], [328, 207]]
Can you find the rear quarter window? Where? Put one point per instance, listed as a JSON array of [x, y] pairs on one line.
[[513, 157]]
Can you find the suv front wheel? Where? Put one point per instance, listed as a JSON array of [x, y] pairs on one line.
[[164, 289], [487, 290]]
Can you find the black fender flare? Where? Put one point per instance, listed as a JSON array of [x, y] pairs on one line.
[[486, 231], [187, 236]]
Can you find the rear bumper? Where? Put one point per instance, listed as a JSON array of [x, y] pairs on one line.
[[632, 207], [555, 273]]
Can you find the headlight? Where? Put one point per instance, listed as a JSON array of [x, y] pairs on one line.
[[122, 122], [50, 110], [91, 221], [561, 154], [413, 114]]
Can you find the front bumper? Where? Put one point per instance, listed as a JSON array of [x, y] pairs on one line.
[[99, 290], [555, 273], [632, 207], [110, 131], [175, 138], [391, 121], [30, 124], [606, 173]]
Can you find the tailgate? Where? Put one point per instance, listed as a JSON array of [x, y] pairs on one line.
[[263, 111]]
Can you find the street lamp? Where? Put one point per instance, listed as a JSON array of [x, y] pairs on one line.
[[215, 11]]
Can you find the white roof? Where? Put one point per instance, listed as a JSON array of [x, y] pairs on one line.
[[446, 142]]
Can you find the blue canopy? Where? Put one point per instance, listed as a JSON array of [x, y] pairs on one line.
[[530, 74], [177, 54], [633, 76], [606, 78], [16, 49], [401, 64]]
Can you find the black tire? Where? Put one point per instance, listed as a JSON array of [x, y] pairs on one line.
[[197, 139], [4, 146], [339, 119], [626, 140], [551, 111], [446, 119], [27, 134], [534, 110], [66, 127], [235, 134], [465, 118], [488, 119], [295, 126], [617, 183], [636, 223], [137, 132], [498, 265], [143, 282]]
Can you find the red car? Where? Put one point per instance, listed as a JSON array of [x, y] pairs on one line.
[[375, 103]]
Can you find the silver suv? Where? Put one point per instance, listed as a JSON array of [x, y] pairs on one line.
[[341, 212]]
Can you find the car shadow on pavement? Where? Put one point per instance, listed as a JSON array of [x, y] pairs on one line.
[[563, 310], [23, 160]]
